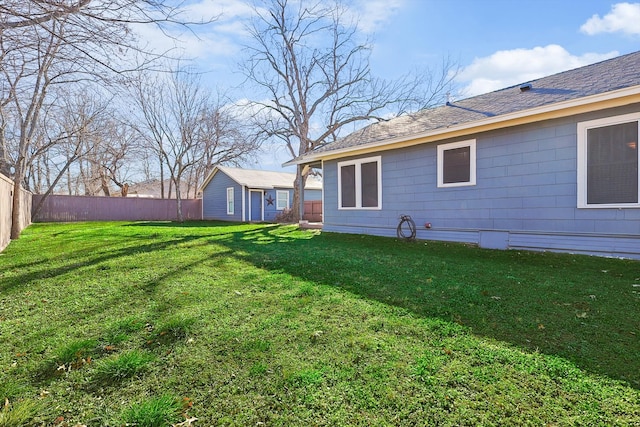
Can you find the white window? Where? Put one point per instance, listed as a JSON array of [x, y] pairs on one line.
[[457, 164], [360, 184], [608, 162], [230, 207], [282, 200]]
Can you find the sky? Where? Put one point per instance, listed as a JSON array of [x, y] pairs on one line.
[[496, 43]]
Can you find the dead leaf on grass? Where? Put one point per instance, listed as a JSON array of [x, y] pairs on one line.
[[186, 422], [582, 315]]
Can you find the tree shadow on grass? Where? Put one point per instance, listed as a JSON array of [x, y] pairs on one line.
[[577, 307], [583, 309], [82, 259]]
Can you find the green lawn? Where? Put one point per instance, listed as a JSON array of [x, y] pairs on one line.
[[154, 324]]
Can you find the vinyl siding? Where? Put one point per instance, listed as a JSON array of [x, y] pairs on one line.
[[270, 211], [526, 186], [214, 199]]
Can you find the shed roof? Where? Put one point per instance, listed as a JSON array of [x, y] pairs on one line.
[[261, 179], [603, 77]]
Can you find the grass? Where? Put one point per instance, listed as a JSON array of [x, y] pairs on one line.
[[124, 365], [153, 412], [19, 414], [153, 324]]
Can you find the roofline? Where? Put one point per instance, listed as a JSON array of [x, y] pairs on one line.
[[244, 184], [560, 109], [208, 179]]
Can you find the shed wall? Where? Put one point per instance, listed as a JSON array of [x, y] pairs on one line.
[[214, 199]]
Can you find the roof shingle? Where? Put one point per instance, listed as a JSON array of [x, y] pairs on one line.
[[263, 179], [606, 76]]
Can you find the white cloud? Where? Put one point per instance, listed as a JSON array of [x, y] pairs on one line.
[[373, 14], [217, 39], [623, 17], [187, 44], [508, 67]]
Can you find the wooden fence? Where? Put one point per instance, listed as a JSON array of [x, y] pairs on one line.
[[312, 211], [60, 208], [6, 207]]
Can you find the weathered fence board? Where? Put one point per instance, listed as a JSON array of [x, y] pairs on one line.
[[61, 208], [6, 207], [312, 210]]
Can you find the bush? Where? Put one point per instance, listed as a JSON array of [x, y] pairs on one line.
[[285, 217]]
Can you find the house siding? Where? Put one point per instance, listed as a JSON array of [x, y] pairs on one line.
[[270, 211], [525, 195], [214, 199]]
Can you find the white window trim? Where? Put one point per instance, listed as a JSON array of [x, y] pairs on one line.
[[230, 197], [358, 163], [278, 207], [471, 143], [583, 127]]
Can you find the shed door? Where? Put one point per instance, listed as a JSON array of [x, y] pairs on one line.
[[256, 206]]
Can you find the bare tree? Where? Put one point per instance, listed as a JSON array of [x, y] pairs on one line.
[[114, 154], [28, 75], [316, 77], [226, 138], [44, 43], [185, 128], [67, 132]]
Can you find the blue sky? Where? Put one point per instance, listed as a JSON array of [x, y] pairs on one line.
[[496, 43]]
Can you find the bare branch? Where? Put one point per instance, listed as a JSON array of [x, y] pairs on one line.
[[315, 72]]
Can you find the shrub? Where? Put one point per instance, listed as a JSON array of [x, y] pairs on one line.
[[285, 217]]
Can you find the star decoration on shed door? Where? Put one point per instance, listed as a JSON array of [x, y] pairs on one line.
[[270, 200]]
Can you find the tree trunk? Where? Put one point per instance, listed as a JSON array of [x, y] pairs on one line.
[[104, 185], [16, 205], [295, 203], [161, 177], [4, 158], [179, 202]]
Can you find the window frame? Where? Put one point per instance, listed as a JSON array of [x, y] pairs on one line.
[[278, 192], [582, 141], [231, 202], [358, 182], [471, 143]]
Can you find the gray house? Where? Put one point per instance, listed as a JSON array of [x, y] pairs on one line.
[[233, 194], [551, 164]]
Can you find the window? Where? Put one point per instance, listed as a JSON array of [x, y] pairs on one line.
[[230, 201], [282, 200], [457, 164], [608, 162], [359, 184]]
